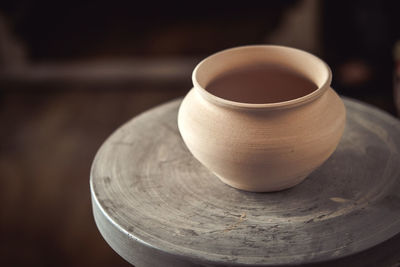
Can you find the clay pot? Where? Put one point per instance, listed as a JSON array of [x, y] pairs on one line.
[[262, 147]]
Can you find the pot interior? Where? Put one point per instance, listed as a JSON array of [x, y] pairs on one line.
[[261, 83]]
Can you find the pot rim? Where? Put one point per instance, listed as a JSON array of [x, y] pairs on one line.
[[263, 106]]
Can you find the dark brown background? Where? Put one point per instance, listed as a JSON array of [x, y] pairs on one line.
[[71, 72]]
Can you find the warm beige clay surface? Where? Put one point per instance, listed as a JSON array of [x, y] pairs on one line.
[[253, 131]]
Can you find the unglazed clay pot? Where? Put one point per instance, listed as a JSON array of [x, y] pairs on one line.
[[264, 146]]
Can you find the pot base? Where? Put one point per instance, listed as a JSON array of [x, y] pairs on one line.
[[262, 188]]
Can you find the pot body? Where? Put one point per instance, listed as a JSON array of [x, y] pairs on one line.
[[263, 146], [262, 150]]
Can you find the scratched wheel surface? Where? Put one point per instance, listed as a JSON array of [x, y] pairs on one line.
[[158, 206]]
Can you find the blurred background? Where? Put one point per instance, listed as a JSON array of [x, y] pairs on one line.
[[71, 72]]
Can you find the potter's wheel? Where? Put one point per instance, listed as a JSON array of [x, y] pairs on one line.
[[157, 206]]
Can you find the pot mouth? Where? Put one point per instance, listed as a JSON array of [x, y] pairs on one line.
[[299, 61]]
